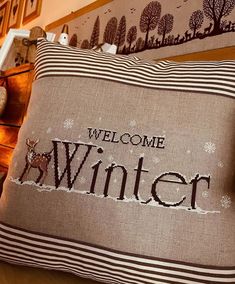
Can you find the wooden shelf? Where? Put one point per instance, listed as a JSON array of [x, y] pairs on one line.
[[16, 70], [18, 82]]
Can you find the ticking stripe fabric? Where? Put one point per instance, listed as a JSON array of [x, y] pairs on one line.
[[208, 77], [99, 263]]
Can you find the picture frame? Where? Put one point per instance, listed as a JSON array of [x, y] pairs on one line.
[[7, 51], [32, 9], [4, 14], [15, 14]]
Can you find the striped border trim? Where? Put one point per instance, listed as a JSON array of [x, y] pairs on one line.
[[208, 77], [102, 264]]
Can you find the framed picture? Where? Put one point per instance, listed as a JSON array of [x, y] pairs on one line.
[[15, 14], [4, 14], [32, 9], [9, 49]]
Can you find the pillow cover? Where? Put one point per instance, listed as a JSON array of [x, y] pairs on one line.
[[124, 170]]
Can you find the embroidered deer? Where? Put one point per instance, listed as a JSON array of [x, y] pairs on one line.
[[208, 29], [36, 160], [228, 26], [158, 42], [187, 35], [233, 27], [176, 41]]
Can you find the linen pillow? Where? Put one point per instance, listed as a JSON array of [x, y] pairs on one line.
[[124, 170]]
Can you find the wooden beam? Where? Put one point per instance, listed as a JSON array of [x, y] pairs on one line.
[[78, 13]]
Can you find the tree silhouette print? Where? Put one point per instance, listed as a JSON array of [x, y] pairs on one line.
[[110, 30], [152, 20], [139, 44], [195, 21], [94, 41], [121, 33], [85, 44], [151, 41], [74, 40], [215, 10], [170, 39], [165, 26], [149, 18], [131, 36]]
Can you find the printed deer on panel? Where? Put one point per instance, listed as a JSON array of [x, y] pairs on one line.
[[152, 29]]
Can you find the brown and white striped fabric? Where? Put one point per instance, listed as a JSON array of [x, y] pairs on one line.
[[102, 263], [205, 76], [124, 170]]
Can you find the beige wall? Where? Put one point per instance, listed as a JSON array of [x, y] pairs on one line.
[[53, 10]]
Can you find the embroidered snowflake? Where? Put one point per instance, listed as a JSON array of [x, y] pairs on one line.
[[142, 181], [156, 160], [49, 130], [177, 189], [188, 152], [220, 164], [110, 158], [131, 151], [225, 201], [82, 180], [132, 123], [115, 180], [100, 118], [209, 147], [68, 123], [205, 194]]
